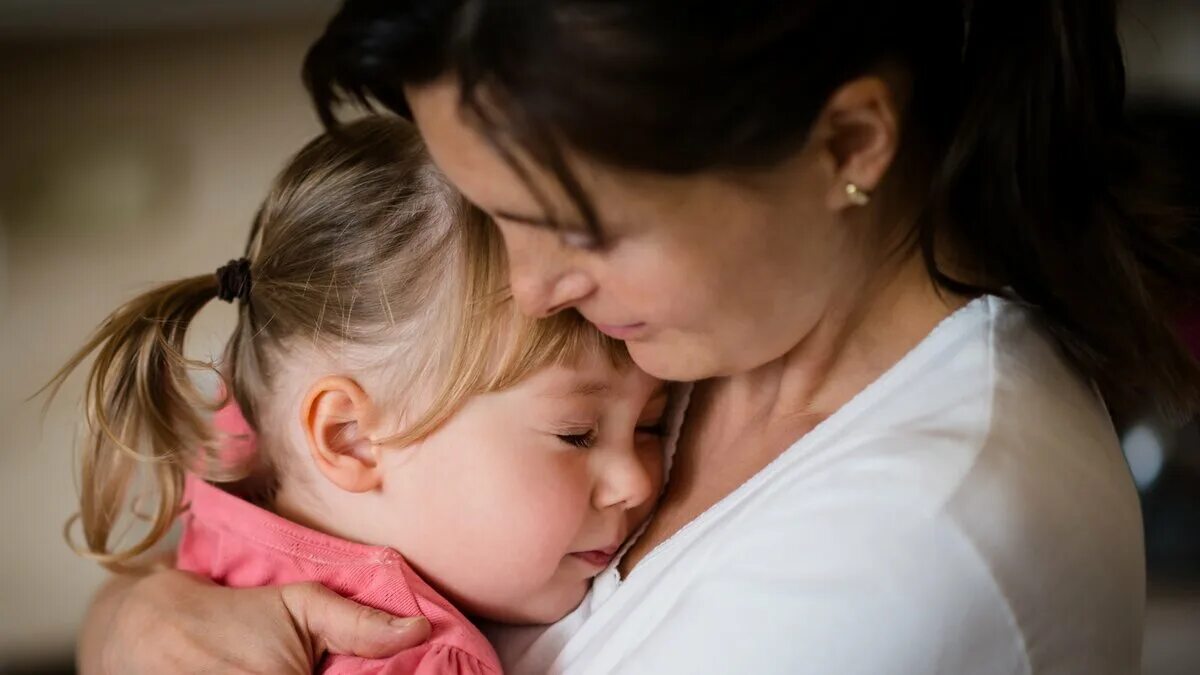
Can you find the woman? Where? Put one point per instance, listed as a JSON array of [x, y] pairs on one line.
[[898, 246]]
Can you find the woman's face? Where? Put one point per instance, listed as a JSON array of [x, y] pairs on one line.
[[702, 275]]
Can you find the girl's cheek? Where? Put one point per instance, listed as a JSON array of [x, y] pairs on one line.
[[559, 499], [533, 487], [561, 488]]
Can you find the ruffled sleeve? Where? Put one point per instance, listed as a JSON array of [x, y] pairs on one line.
[[437, 660]]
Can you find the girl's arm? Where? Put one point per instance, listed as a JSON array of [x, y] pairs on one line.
[[173, 622]]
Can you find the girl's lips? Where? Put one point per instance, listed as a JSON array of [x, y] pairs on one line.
[[622, 332], [597, 558]]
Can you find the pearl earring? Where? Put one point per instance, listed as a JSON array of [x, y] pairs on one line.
[[857, 195]]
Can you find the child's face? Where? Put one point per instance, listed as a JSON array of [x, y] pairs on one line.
[[524, 495]]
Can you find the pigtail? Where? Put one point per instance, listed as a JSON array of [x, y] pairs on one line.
[[144, 414]]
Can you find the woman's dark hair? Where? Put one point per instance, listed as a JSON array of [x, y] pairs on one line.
[[1029, 170]]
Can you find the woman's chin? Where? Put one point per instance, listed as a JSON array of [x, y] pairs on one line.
[[675, 360]]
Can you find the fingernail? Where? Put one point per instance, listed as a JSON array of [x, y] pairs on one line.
[[405, 623]]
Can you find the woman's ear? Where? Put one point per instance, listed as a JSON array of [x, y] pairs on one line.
[[337, 417], [861, 131]]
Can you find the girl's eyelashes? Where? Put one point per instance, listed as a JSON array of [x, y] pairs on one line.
[[582, 440], [586, 439]]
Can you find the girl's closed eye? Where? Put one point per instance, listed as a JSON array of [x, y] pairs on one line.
[[579, 439]]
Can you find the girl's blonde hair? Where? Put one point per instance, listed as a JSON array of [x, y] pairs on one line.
[[362, 249]]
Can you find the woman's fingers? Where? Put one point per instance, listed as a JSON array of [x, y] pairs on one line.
[[174, 622], [342, 626]]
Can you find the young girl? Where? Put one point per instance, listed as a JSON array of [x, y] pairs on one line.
[[413, 443]]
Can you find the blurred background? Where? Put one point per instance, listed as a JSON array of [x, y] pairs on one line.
[[136, 139]]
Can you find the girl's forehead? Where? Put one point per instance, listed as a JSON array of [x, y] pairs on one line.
[[592, 377]]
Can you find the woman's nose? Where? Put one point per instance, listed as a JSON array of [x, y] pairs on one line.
[[540, 295], [541, 275]]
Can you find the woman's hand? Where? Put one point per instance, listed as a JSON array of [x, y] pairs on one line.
[[174, 622]]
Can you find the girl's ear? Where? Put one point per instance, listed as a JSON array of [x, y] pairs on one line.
[[337, 417]]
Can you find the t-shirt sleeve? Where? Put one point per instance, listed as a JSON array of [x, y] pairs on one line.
[[912, 598]]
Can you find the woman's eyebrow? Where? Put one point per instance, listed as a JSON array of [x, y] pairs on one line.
[[539, 221], [520, 219]]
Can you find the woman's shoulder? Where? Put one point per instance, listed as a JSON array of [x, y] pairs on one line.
[[986, 428], [987, 390], [1023, 453], [983, 470]]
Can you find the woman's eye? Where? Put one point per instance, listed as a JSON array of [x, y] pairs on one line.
[[583, 440], [582, 240]]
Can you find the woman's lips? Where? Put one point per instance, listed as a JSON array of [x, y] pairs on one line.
[[628, 331]]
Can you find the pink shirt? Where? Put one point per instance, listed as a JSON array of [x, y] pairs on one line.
[[239, 545]]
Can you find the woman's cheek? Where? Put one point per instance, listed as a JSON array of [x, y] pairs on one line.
[[630, 280]]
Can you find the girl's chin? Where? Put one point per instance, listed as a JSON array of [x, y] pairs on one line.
[[545, 607]]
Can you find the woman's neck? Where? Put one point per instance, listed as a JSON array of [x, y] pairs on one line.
[[739, 424], [851, 345]]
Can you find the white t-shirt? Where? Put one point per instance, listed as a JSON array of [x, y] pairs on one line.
[[968, 512]]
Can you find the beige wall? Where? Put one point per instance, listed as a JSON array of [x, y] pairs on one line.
[[122, 163]]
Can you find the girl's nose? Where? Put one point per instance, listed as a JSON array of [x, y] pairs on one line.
[[626, 481]]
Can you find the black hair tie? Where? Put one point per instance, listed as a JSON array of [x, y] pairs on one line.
[[233, 280]]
